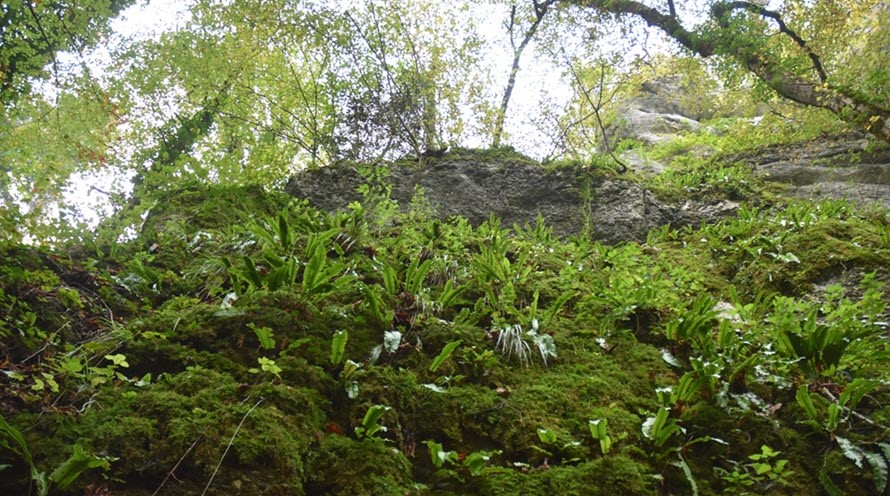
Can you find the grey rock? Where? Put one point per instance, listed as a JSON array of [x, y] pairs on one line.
[[572, 200], [695, 212], [835, 168], [648, 127], [623, 211], [640, 164], [669, 95], [661, 110]]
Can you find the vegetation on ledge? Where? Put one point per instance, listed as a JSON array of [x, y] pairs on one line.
[[248, 343]]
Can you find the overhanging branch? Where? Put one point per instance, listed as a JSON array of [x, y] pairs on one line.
[[720, 10], [820, 93]]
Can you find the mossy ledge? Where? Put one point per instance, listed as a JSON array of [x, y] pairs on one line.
[[195, 357]]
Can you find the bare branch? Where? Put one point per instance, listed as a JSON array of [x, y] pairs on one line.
[[597, 107], [540, 11]]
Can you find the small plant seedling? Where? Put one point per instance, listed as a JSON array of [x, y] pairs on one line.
[[370, 426], [598, 431]]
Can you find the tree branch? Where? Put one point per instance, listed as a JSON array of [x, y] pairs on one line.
[[596, 109], [845, 104], [720, 10], [540, 11]]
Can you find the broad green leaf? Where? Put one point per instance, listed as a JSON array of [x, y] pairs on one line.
[[338, 346], [598, 429], [805, 402], [547, 436], [76, 464], [284, 231], [443, 355], [370, 424]]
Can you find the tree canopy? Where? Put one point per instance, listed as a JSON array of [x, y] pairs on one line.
[[249, 91]]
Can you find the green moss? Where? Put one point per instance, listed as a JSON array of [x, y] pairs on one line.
[[342, 466], [827, 247], [150, 429], [463, 415], [192, 208], [610, 475]]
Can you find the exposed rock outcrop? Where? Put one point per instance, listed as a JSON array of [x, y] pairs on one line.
[[840, 167], [576, 200], [475, 185], [660, 111]]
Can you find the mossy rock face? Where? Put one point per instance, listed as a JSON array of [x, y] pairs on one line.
[[831, 246], [344, 467], [46, 296], [197, 372], [190, 209], [149, 429], [616, 475]]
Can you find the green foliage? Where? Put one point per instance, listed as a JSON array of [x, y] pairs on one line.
[[370, 426], [696, 325], [315, 274], [264, 335], [598, 432], [460, 467], [26, 54], [268, 365], [63, 475], [443, 355], [76, 464], [822, 349], [338, 347], [763, 471], [661, 427], [661, 347]]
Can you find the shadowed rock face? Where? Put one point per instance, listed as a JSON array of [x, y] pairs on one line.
[[573, 200], [515, 189]]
